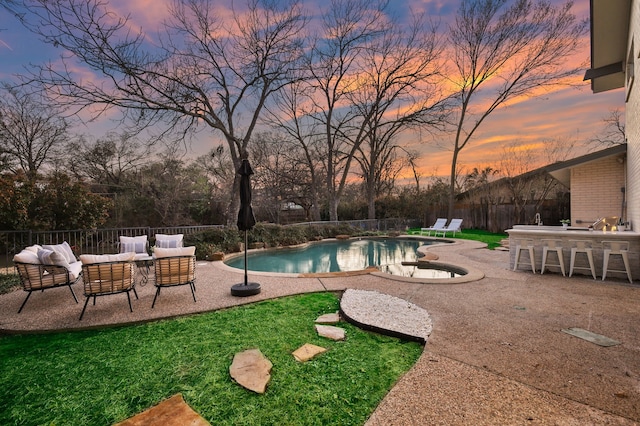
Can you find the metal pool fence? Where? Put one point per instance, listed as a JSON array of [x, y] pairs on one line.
[[83, 241]]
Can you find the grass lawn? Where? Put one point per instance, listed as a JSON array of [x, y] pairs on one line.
[[99, 377], [492, 240]]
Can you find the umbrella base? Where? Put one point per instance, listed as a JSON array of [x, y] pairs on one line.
[[243, 290]]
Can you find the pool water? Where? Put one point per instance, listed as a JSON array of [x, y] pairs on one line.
[[333, 256], [425, 271]]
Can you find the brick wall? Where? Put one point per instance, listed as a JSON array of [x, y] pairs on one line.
[[595, 190], [632, 126]]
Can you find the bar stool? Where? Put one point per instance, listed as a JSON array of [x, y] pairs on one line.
[[552, 246], [581, 246], [525, 244], [616, 247]]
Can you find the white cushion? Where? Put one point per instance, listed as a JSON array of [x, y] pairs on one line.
[[169, 241], [142, 256], [75, 269], [135, 244], [26, 256], [51, 257], [70, 254], [88, 259], [34, 248], [160, 252], [64, 249]]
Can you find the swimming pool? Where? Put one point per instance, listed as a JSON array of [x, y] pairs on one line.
[[334, 256]]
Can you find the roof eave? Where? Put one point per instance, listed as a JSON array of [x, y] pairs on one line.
[[562, 170], [609, 33]]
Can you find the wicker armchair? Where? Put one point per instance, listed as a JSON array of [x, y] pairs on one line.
[[39, 277], [174, 271], [106, 278]]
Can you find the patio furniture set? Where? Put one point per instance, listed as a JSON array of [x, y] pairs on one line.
[[50, 266]]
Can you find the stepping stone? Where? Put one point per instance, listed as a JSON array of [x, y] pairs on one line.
[[385, 314], [328, 319], [251, 370], [172, 411], [330, 332], [307, 351]]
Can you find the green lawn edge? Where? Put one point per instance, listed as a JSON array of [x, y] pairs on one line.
[[490, 238], [100, 377]]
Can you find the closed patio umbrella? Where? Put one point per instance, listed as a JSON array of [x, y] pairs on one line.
[[246, 221]]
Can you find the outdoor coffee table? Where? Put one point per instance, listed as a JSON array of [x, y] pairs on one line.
[[144, 265]]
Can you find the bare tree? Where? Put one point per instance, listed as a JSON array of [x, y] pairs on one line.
[[613, 132], [217, 168], [333, 66], [107, 160], [198, 70], [369, 74], [399, 90], [527, 184], [510, 49], [32, 130], [478, 187], [292, 115], [381, 161], [412, 157], [281, 175]]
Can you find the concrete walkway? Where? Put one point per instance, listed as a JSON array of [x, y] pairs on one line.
[[496, 355]]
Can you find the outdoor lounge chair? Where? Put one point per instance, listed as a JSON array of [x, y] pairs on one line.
[[139, 245], [174, 267], [438, 226], [453, 226], [103, 277], [169, 241]]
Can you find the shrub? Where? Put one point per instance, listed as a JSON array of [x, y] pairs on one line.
[[228, 240], [8, 282], [266, 233], [221, 239]]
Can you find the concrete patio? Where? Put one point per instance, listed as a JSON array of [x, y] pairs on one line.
[[496, 354]]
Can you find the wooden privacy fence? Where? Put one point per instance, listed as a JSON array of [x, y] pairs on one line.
[[500, 217]]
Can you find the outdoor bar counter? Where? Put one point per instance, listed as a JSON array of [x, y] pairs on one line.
[[565, 235]]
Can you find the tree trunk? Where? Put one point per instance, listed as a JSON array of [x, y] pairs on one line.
[[333, 208], [234, 202], [452, 184]]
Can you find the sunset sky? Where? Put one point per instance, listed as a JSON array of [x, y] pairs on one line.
[[564, 113]]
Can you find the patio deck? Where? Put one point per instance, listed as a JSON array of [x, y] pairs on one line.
[[496, 354]]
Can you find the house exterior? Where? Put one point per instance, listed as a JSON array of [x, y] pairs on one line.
[[597, 182], [615, 48]]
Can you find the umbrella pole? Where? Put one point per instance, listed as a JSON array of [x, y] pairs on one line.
[[246, 288], [246, 280]]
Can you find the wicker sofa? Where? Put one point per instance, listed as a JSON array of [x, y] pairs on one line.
[[47, 266]]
